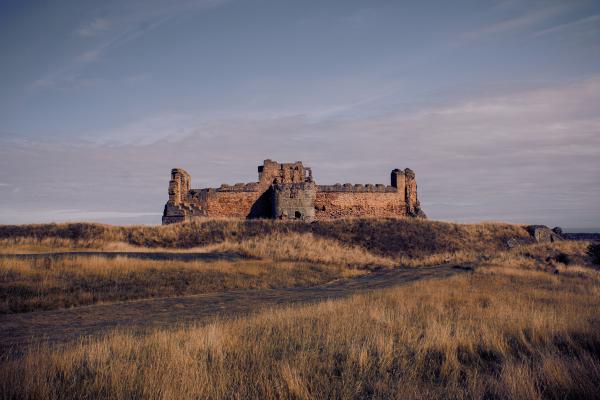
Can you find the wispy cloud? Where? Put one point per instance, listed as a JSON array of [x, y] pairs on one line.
[[507, 27], [136, 79], [508, 153], [93, 27], [587, 23], [42, 84], [130, 24], [89, 56], [8, 216], [69, 83]]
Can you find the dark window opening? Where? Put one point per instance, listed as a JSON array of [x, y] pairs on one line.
[[323, 208], [298, 215]]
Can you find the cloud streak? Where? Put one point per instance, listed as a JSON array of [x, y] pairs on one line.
[[589, 22], [515, 154], [89, 56], [69, 83], [507, 27], [93, 27]]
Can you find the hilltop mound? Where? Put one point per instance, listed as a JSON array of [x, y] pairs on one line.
[[389, 237]]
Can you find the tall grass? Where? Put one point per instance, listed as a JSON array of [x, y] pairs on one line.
[[33, 245], [303, 247], [483, 335], [288, 260], [48, 284]]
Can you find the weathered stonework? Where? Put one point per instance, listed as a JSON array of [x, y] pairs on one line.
[[543, 234], [287, 191]]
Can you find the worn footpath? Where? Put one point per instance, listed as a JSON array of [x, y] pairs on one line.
[[19, 331]]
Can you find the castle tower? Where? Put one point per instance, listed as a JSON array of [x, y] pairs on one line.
[[399, 182], [272, 173], [178, 186], [294, 201]]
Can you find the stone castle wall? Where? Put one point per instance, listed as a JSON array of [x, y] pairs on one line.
[[339, 201], [332, 205], [287, 191]]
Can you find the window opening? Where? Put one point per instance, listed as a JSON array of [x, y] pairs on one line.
[[298, 215]]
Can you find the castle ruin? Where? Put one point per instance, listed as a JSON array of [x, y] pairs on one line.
[[287, 191]]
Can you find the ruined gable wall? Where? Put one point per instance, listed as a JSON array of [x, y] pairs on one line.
[[178, 185], [412, 199], [337, 201], [271, 172]]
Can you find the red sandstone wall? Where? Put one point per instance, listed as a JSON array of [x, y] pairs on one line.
[[235, 204], [340, 205]]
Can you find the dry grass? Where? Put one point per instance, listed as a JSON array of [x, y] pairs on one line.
[[47, 284], [280, 261], [303, 247], [493, 334], [277, 246], [389, 237], [524, 324], [317, 259], [33, 245]]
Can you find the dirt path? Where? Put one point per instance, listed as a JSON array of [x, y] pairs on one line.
[[20, 330]]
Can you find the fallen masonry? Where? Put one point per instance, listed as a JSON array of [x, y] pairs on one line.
[[287, 191]]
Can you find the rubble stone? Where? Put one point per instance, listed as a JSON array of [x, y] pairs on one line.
[[543, 234], [512, 243]]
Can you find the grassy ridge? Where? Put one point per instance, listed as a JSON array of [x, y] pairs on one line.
[[408, 237], [280, 255]]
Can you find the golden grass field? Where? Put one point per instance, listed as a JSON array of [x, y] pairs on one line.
[[524, 324]]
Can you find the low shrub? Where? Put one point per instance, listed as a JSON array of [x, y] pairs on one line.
[[593, 251]]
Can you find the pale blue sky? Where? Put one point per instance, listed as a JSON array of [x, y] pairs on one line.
[[494, 104]]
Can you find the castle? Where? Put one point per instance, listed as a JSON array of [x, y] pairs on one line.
[[287, 191]]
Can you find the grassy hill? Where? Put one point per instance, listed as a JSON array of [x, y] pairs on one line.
[[523, 323], [386, 237]]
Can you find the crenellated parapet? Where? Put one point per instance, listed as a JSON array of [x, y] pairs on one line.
[[358, 188], [287, 191]]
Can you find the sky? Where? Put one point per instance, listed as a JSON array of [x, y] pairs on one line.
[[495, 105]]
